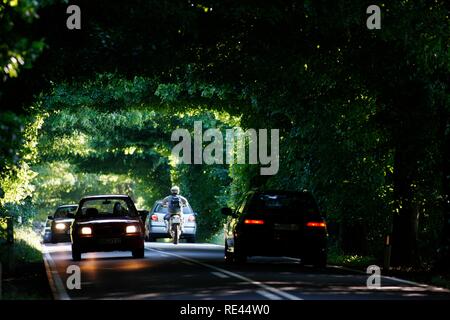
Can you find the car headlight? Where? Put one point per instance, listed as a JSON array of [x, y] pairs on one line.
[[86, 230], [60, 226], [132, 229]]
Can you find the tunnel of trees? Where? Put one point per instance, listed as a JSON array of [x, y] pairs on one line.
[[363, 114]]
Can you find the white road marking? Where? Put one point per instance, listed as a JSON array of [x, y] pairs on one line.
[[412, 283], [416, 284], [219, 274], [268, 295], [235, 275], [290, 258], [187, 245], [405, 281], [56, 284]]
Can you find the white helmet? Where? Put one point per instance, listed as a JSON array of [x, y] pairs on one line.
[[175, 189]]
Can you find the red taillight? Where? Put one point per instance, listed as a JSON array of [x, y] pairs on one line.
[[191, 218], [248, 221], [154, 217], [316, 224]]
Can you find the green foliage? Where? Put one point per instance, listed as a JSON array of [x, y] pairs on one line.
[[60, 183], [18, 49], [15, 182], [353, 261], [337, 257], [84, 148], [10, 138], [27, 245]]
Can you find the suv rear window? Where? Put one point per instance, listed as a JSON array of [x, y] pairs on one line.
[[160, 209], [276, 202]]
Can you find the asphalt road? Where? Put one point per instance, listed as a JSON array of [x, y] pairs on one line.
[[198, 272]]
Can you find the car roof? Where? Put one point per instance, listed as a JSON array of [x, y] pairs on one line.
[[68, 205], [160, 202], [107, 196], [281, 192]]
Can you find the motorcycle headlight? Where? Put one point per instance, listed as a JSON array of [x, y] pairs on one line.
[[132, 229], [60, 226]]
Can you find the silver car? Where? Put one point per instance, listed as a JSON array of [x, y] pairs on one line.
[[156, 227]]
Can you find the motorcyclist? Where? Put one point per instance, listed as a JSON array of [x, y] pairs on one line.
[[175, 192], [117, 210]]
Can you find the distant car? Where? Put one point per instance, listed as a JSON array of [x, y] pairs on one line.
[[276, 223], [57, 228], [108, 223], [46, 232], [156, 227]]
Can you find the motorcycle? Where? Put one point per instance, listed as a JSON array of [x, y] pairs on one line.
[[175, 227]]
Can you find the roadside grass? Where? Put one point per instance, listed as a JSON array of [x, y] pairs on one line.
[[336, 257], [27, 246], [441, 281], [359, 262], [24, 276], [354, 261], [217, 238]]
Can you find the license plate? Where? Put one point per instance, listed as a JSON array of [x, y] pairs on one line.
[[286, 227], [176, 219], [110, 241]]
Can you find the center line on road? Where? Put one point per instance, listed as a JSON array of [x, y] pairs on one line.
[[219, 274], [268, 295], [235, 275]]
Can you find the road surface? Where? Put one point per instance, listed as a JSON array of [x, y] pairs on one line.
[[198, 272]]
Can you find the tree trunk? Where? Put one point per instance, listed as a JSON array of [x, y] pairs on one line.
[[405, 220], [10, 244], [354, 238], [410, 137], [443, 259]]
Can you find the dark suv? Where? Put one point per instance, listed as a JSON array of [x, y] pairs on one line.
[[276, 223]]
